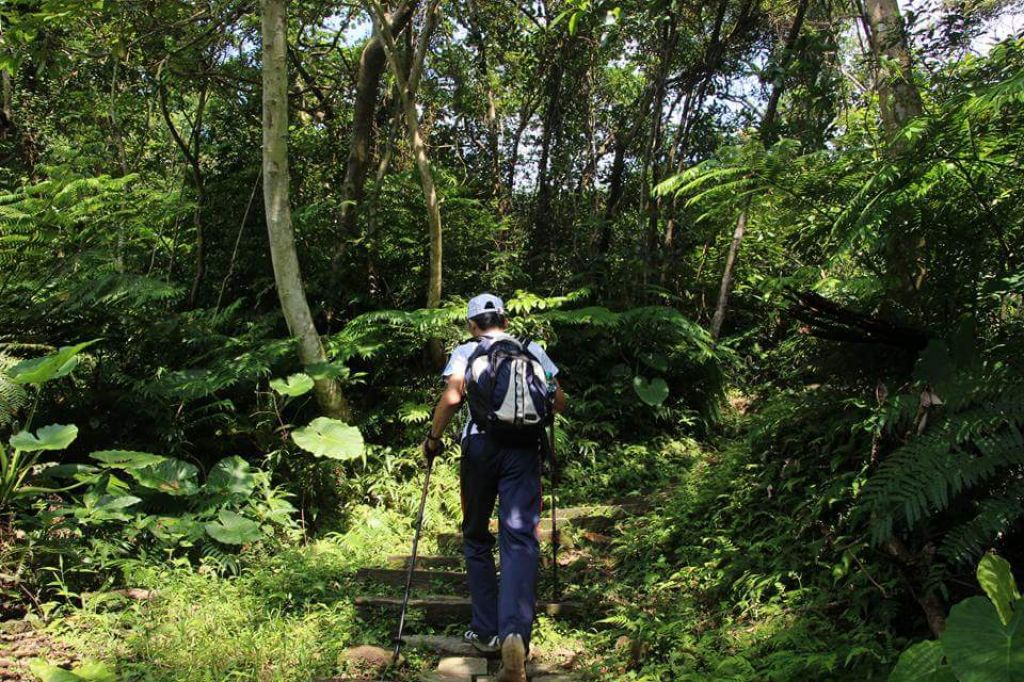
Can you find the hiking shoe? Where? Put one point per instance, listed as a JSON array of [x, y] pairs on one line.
[[513, 660], [484, 646]]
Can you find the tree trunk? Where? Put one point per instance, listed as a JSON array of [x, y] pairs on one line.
[[768, 134], [285, 259], [405, 82], [190, 150], [730, 263], [372, 63], [6, 97], [898, 96], [616, 187], [543, 240], [478, 36]]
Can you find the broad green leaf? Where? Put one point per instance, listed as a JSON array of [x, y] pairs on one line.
[[52, 437], [923, 662], [233, 529], [996, 579], [94, 671], [653, 393], [170, 476], [979, 647], [231, 476], [38, 371], [126, 459], [174, 529], [573, 21], [326, 437], [105, 507], [88, 671], [47, 672], [294, 386]]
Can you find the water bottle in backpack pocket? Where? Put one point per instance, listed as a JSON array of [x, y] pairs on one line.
[[507, 390]]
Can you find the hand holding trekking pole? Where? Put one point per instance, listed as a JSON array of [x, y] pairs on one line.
[[432, 446]]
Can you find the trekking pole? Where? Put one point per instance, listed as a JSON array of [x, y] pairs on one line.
[[554, 522], [412, 564]]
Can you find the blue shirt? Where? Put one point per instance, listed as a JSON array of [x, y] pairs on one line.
[[459, 360]]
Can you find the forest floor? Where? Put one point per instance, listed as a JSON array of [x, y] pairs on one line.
[[303, 613]]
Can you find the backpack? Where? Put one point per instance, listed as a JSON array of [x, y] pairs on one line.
[[507, 390]]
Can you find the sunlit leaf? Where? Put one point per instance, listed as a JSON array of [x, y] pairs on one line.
[[294, 386], [170, 476], [126, 459], [231, 476], [233, 529], [52, 437], [326, 437], [38, 371]]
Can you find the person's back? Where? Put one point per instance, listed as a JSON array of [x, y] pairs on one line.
[[496, 465]]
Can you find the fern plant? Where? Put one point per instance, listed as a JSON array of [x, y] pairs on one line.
[[955, 476]]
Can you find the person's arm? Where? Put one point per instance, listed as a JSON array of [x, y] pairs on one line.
[[559, 399], [445, 409]]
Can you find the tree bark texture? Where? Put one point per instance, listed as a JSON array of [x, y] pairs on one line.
[[283, 254], [190, 150], [372, 63], [768, 135], [898, 97], [726, 286], [405, 81]]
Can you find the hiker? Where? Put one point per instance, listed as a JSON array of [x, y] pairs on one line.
[[502, 450]]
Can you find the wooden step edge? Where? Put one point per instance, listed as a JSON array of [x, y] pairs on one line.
[[421, 578], [451, 602]]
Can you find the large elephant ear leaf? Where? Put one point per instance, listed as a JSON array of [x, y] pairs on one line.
[[654, 392], [231, 476], [326, 437], [294, 386], [923, 662], [170, 476], [126, 459], [52, 437], [980, 648], [89, 671], [996, 579], [38, 371], [233, 529]]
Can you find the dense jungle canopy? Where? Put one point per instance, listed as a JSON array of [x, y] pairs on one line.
[[775, 247]]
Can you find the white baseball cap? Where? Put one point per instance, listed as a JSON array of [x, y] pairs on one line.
[[484, 303]]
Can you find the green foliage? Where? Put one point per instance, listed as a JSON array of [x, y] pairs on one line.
[[294, 386], [330, 438], [52, 437], [89, 671], [983, 640], [973, 441]]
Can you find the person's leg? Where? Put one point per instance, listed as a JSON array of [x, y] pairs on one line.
[[479, 485], [519, 502]]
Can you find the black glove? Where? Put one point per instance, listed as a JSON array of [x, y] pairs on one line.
[[432, 448]]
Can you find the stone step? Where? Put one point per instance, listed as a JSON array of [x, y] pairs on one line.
[[567, 539], [613, 511], [587, 523], [428, 562], [458, 669], [448, 609], [453, 541], [422, 579], [444, 646]]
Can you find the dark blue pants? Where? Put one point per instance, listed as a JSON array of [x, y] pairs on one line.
[[512, 474]]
